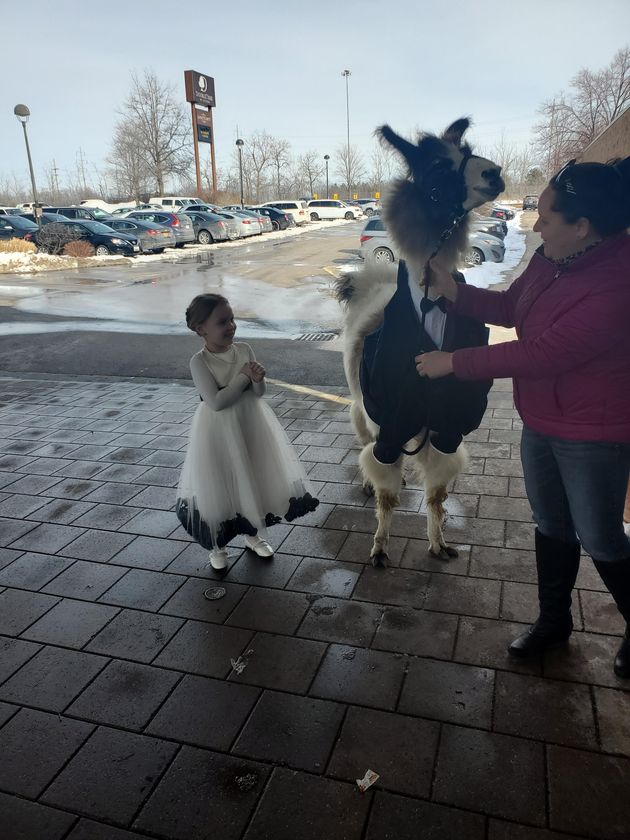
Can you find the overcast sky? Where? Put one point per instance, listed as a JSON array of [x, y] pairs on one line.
[[278, 67]]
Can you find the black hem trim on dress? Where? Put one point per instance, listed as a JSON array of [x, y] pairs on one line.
[[199, 530]]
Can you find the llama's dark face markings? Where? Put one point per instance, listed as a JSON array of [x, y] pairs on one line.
[[444, 169]]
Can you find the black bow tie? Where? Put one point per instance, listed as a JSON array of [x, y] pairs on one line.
[[426, 304]]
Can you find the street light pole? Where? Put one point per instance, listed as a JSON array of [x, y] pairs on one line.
[[23, 113], [347, 73], [239, 144], [327, 158]]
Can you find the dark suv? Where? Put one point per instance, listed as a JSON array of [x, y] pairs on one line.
[[94, 214], [530, 202]]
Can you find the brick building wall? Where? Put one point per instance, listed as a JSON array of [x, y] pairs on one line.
[[613, 142]]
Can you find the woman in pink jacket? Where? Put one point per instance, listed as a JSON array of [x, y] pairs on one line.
[[571, 371]]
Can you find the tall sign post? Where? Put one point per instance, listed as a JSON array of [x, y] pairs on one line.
[[200, 91]]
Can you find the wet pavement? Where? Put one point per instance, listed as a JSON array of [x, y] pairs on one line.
[[131, 706], [278, 287]]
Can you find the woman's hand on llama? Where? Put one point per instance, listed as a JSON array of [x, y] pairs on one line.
[[441, 280], [434, 364]]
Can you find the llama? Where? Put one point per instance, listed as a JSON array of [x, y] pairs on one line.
[[405, 419]]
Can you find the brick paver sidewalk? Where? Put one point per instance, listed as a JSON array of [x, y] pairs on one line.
[[121, 715]]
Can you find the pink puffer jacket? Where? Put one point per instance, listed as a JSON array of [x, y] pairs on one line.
[[571, 364]]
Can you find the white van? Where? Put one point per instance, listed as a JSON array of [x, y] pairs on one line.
[[327, 208], [175, 203], [297, 209]]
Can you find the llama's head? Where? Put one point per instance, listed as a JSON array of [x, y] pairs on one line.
[[445, 171], [444, 181]]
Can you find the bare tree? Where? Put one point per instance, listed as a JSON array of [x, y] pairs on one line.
[[349, 166], [384, 167], [257, 157], [309, 171], [153, 117], [280, 155], [570, 121], [128, 165]]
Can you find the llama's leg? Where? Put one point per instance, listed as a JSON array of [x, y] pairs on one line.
[[359, 421], [435, 497], [439, 469], [364, 435], [386, 479]]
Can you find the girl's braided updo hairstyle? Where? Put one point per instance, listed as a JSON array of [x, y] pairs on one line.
[[201, 307]]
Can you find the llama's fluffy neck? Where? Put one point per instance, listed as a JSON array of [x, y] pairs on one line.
[[416, 234]]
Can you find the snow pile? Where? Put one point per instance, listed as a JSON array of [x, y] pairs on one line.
[[19, 263], [490, 273]]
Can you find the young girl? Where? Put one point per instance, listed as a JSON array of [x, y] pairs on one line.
[[241, 473]]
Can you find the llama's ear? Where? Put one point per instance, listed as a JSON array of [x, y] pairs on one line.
[[456, 131], [406, 149]]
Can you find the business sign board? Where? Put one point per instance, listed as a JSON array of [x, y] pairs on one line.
[[199, 88], [204, 134]]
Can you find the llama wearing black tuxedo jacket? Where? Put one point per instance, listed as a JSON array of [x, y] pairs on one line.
[[395, 411]]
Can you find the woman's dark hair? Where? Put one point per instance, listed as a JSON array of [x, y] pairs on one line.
[[201, 308], [599, 192]]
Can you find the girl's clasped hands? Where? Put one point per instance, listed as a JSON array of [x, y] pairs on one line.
[[254, 370]]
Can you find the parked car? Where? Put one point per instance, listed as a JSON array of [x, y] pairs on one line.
[[10, 211], [329, 208], [493, 220], [484, 248], [73, 212], [495, 227], [210, 227], [530, 202], [376, 245], [29, 206], [151, 236], [246, 226], [502, 213], [176, 203], [179, 223], [264, 221], [122, 211], [46, 218], [203, 207], [375, 242], [104, 239], [16, 227], [297, 209], [279, 219], [369, 205]]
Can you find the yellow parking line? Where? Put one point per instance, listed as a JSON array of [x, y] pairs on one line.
[[302, 389]]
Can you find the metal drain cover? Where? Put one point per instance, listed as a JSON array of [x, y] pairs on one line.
[[214, 593], [320, 336]]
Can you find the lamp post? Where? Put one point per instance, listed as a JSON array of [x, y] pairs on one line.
[[239, 145], [347, 74], [327, 158], [23, 113]]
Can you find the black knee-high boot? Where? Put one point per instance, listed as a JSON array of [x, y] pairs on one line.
[[616, 576], [557, 563]]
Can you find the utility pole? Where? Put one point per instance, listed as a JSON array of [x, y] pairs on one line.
[[347, 73], [55, 178]]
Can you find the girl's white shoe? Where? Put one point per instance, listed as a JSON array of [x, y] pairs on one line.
[[259, 546], [219, 559]]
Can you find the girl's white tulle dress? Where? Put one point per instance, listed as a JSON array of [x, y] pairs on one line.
[[241, 473]]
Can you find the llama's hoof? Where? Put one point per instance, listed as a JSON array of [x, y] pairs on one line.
[[368, 489], [380, 560], [446, 552]]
